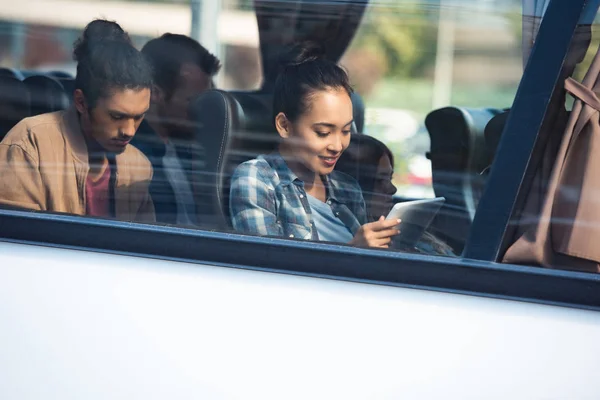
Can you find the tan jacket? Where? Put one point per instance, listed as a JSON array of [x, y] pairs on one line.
[[44, 166]]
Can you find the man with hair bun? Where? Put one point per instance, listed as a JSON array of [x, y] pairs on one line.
[[79, 160]]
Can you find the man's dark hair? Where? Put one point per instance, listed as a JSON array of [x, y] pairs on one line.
[[170, 51], [107, 60]]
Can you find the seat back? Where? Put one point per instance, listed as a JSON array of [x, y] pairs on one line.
[[493, 133], [458, 157], [60, 75], [46, 94], [68, 87], [232, 127], [14, 103], [358, 111], [11, 73]]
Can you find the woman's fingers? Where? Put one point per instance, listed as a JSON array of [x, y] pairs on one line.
[[383, 224], [386, 233], [382, 243], [377, 234]]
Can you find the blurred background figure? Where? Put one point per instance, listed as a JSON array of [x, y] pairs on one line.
[[371, 163], [406, 58], [182, 70]]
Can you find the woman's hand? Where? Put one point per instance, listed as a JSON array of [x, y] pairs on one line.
[[376, 234]]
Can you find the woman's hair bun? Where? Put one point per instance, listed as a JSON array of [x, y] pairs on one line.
[[98, 31], [301, 53]]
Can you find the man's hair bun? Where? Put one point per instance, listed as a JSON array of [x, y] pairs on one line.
[[95, 33]]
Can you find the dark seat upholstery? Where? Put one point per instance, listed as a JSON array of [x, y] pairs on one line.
[[11, 73], [14, 103], [233, 127], [458, 156], [46, 94], [358, 111], [493, 133], [69, 87], [60, 75]]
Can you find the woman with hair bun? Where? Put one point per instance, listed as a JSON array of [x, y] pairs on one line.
[[295, 192]]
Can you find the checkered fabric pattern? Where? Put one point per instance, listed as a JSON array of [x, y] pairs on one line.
[[268, 199]]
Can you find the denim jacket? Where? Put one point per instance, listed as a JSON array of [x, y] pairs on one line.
[[268, 199]]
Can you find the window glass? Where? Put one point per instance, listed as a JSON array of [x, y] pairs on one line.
[[431, 76], [40, 37], [410, 61], [412, 57]]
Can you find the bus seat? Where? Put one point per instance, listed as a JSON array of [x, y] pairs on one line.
[[60, 75], [14, 103], [46, 94], [358, 111], [493, 133], [11, 73], [232, 127], [68, 87], [458, 158]]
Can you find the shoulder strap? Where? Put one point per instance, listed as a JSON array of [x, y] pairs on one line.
[[582, 93]]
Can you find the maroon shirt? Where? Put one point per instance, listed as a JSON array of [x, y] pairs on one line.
[[97, 194]]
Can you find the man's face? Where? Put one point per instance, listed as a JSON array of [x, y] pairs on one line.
[[114, 120], [174, 110]]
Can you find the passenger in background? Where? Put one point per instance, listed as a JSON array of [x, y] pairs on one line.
[[79, 161], [183, 69], [371, 163], [295, 192]]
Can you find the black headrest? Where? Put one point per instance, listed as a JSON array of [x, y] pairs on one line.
[[46, 94], [60, 75], [11, 73], [457, 137], [358, 111], [258, 109], [493, 133], [69, 87], [66, 80], [14, 103], [458, 156], [232, 127]]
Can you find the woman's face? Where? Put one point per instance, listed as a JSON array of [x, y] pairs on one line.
[[320, 135], [381, 200]]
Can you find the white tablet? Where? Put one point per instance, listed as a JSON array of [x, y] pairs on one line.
[[416, 217]]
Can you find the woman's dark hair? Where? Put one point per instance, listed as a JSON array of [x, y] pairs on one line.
[[107, 60], [303, 71], [361, 160]]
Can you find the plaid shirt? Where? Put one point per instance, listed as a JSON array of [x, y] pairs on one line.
[[267, 198]]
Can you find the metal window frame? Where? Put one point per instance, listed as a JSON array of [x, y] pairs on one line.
[[454, 275], [521, 144]]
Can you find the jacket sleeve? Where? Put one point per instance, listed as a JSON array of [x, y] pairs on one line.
[[20, 180], [146, 212], [252, 202]]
